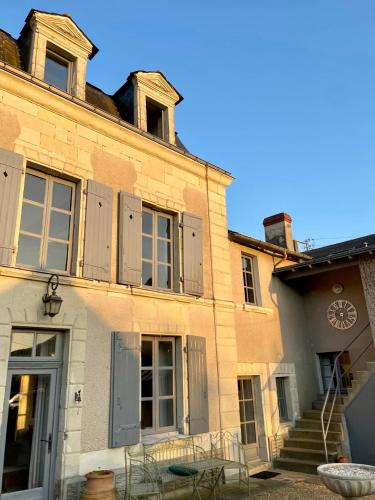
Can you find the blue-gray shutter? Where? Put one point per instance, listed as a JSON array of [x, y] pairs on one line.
[[11, 165], [192, 254], [130, 239], [98, 232], [197, 384], [125, 419]]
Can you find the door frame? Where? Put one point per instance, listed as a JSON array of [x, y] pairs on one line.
[[34, 367], [252, 446]]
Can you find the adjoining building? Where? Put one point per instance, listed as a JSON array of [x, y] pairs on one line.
[[167, 327]]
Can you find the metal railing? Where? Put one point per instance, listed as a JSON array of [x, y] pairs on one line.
[[334, 387]]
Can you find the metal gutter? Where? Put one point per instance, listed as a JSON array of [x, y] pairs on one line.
[[40, 83], [264, 246]]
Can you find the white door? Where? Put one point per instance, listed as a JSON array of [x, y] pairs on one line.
[[249, 433]]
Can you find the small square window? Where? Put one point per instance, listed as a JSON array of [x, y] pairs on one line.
[[56, 71]]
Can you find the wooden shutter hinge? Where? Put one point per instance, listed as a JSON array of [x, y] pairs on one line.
[[185, 349], [81, 263], [181, 225], [187, 419], [181, 279]]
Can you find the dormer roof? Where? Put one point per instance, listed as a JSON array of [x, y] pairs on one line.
[[62, 24], [153, 79]]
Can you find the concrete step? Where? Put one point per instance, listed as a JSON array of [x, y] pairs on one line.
[[301, 433], [371, 367], [362, 375], [318, 405], [306, 466], [306, 454], [311, 444], [339, 397], [356, 384], [315, 414], [306, 423]]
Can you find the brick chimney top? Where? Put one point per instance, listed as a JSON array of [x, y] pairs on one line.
[[273, 219]]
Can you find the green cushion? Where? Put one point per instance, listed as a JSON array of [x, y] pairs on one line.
[[180, 470]]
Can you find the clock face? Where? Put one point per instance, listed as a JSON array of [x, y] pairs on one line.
[[342, 314]]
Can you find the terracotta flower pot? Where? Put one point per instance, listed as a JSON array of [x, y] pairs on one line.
[[99, 486], [342, 459]]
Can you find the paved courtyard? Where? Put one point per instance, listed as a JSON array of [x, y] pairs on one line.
[[286, 486]]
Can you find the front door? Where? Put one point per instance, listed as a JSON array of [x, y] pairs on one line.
[[29, 428], [249, 432], [327, 361]]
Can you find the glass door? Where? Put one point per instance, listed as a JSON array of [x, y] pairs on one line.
[[249, 434], [28, 435]]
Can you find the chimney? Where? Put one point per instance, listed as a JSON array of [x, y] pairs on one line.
[[278, 230]]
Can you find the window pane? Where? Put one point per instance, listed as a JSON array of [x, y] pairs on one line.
[[250, 299], [146, 414], [146, 354], [56, 73], [164, 227], [32, 218], [243, 434], [146, 222], [247, 389], [165, 353], [249, 280], [147, 273], [57, 256], [35, 188], [62, 196], [59, 225], [165, 382], [242, 412], [164, 251], [251, 433], [28, 250], [246, 264], [249, 410], [164, 276], [45, 344], [165, 412], [146, 383], [22, 344], [147, 247]]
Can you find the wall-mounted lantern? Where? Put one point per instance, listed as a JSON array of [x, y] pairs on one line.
[[52, 302]]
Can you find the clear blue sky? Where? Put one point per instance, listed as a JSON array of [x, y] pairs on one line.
[[279, 92]]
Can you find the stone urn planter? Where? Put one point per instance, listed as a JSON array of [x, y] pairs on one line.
[[99, 486], [348, 480]]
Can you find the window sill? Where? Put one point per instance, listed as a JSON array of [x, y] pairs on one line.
[[164, 436], [254, 308]]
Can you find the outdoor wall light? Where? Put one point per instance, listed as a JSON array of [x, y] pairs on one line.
[[52, 302]]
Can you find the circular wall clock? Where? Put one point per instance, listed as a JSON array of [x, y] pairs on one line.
[[342, 314]]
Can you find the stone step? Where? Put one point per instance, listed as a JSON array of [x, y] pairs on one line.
[[306, 423], [301, 433], [339, 397], [312, 444], [318, 405], [362, 375], [315, 414], [371, 367], [307, 454], [356, 384], [293, 464]]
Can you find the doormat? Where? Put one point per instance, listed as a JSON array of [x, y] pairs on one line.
[[266, 474]]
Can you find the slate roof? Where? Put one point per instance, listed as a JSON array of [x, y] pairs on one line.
[[343, 247]]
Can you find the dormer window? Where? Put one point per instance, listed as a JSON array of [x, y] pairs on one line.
[[155, 116], [57, 71]]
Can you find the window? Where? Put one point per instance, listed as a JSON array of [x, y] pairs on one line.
[[247, 410], [155, 119], [281, 398], [35, 344], [248, 279], [157, 262], [45, 240], [57, 71], [158, 392]]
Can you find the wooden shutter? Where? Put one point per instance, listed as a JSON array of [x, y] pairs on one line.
[[11, 165], [125, 389], [130, 239], [98, 232], [197, 377], [192, 254]]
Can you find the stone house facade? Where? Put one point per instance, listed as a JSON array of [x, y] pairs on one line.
[[169, 326]]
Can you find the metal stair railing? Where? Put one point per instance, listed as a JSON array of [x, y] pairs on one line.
[[336, 379]]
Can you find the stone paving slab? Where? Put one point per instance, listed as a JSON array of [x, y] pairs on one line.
[[286, 486]]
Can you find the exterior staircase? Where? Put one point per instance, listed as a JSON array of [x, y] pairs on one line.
[[303, 449]]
